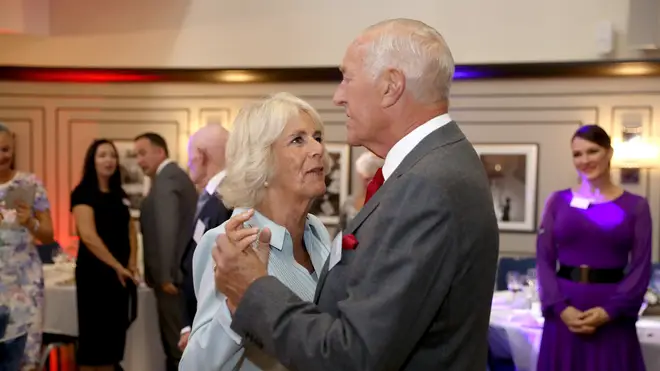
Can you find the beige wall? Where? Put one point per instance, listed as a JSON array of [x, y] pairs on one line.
[[55, 123], [212, 33], [25, 17]]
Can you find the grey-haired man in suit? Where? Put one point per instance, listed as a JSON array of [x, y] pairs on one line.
[[166, 217], [409, 285]]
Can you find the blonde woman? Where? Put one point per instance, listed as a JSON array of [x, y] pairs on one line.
[[276, 167]]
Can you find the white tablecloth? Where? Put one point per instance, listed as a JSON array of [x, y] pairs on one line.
[[516, 333], [143, 348]]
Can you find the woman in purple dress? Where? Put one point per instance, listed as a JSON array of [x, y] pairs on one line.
[[600, 236]]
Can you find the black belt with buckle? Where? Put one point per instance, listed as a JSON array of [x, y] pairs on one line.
[[585, 274]]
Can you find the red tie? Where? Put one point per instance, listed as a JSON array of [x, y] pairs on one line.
[[374, 184]]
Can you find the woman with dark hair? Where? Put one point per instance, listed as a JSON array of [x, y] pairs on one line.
[[600, 236], [106, 259]]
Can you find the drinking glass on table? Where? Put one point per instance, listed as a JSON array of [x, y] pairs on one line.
[[58, 256], [529, 285], [61, 256], [514, 282], [530, 281], [655, 280], [531, 274]]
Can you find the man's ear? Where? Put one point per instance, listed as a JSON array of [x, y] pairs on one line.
[[203, 155], [394, 84]]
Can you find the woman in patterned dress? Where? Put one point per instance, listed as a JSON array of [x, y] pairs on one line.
[[21, 275]]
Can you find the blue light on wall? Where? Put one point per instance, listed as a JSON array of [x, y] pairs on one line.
[[465, 72]]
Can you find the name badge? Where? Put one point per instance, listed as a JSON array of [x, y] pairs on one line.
[[580, 203], [199, 231], [335, 252]]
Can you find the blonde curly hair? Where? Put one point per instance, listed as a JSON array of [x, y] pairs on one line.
[[250, 146]]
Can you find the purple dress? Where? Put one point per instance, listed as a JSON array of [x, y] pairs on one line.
[[613, 234]]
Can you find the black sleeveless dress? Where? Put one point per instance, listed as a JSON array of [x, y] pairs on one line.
[[103, 303]]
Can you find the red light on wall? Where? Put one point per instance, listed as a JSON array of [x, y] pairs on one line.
[[74, 76]]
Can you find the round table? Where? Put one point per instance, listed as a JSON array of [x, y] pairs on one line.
[[143, 352], [516, 333]]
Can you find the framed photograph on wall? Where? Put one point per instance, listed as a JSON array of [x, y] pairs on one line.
[[135, 183], [513, 175], [328, 207]]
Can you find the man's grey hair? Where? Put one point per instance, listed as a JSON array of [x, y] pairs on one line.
[[416, 49]]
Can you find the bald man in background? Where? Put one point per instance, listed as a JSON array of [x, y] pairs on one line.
[[206, 161]]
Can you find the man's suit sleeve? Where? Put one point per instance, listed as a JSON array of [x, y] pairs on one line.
[[166, 210], [386, 311], [188, 300], [223, 213]]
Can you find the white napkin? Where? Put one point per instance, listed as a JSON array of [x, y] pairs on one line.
[[57, 274], [526, 318]]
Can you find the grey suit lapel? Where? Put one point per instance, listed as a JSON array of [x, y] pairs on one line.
[[367, 209], [322, 277], [447, 134], [354, 224]]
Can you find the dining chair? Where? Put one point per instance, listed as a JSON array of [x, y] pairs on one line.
[[59, 353]]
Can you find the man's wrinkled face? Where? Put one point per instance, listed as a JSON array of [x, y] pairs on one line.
[[360, 97]]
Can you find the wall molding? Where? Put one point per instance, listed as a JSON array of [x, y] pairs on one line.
[[582, 69], [545, 110]]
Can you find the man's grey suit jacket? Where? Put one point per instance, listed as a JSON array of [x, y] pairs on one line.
[[416, 292], [165, 219]]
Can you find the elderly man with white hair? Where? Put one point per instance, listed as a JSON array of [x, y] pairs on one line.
[[409, 283]]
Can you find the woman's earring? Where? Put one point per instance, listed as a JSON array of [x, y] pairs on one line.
[[266, 184]]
